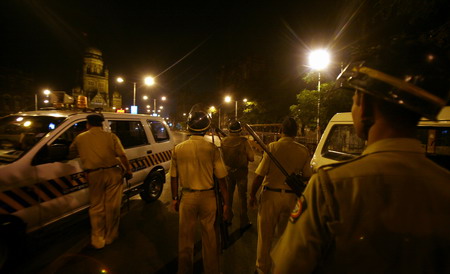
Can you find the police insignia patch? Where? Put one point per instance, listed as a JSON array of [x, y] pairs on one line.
[[300, 207]]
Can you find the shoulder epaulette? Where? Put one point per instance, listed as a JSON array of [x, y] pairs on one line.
[[340, 163]]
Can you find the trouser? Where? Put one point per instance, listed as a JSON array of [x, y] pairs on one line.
[[198, 206], [239, 177], [273, 214], [105, 193]]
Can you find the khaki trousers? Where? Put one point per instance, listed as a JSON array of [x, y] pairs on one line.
[[105, 193], [198, 206], [239, 177], [273, 214]]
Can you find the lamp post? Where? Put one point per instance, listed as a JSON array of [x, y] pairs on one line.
[[46, 92], [163, 98], [149, 81], [318, 60], [228, 100]]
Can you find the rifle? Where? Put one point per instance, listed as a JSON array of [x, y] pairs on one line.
[[223, 226], [295, 181]]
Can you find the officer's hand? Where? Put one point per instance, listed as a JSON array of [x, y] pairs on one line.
[[252, 201], [128, 175], [175, 205]]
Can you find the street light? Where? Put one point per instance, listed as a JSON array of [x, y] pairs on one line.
[[46, 92], [319, 60], [149, 81], [228, 100], [163, 98]]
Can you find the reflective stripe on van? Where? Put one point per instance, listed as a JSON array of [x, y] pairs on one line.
[[150, 160], [23, 197]]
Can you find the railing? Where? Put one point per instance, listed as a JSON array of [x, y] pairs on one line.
[[271, 133]]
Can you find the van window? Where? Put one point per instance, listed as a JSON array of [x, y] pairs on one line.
[[59, 149], [342, 143], [159, 131], [67, 137], [18, 134], [436, 142], [130, 133]]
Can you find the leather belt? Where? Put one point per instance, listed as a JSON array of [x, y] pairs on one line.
[[196, 190], [282, 190], [100, 168]]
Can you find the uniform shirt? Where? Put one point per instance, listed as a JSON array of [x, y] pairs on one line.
[[233, 140], [385, 212], [97, 148], [195, 161], [293, 156]]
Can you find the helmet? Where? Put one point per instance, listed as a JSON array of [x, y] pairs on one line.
[[413, 75], [234, 127], [198, 122]]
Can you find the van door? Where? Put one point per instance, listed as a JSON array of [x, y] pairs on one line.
[[162, 150], [136, 144], [62, 185]]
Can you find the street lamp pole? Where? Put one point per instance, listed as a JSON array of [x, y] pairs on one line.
[[318, 107], [35, 101], [235, 110], [318, 60], [134, 93], [154, 105]]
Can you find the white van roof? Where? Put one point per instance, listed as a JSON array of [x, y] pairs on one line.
[[444, 115], [67, 113]]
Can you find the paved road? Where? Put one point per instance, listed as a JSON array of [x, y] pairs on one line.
[[147, 243]]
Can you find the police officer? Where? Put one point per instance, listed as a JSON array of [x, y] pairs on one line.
[[237, 152], [194, 163], [277, 199], [387, 211], [98, 151]]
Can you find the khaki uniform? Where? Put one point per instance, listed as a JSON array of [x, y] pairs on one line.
[[195, 162], [277, 200], [385, 212], [98, 151], [237, 166]]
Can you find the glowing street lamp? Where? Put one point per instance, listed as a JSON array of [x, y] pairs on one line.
[[163, 98], [228, 99], [319, 60], [46, 92], [149, 81]]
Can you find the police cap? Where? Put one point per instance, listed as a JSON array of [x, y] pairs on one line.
[[411, 74]]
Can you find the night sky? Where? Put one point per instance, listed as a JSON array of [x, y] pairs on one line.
[[182, 43]]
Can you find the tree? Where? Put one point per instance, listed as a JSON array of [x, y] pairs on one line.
[[305, 111], [332, 101]]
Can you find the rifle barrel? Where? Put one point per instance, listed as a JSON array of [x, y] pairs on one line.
[[264, 147]]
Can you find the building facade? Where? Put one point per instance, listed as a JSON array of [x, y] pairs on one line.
[[95, 80]]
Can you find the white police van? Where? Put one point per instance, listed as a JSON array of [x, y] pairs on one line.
[[39, 186], [339, 141]]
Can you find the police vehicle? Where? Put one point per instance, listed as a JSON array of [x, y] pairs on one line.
[[39, 186], [339, 141]]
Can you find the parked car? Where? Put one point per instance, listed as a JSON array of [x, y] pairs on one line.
[[339, 141]]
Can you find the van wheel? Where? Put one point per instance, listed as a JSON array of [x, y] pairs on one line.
[[152, 187]]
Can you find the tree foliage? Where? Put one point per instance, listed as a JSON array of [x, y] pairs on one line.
[[332, 101]]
